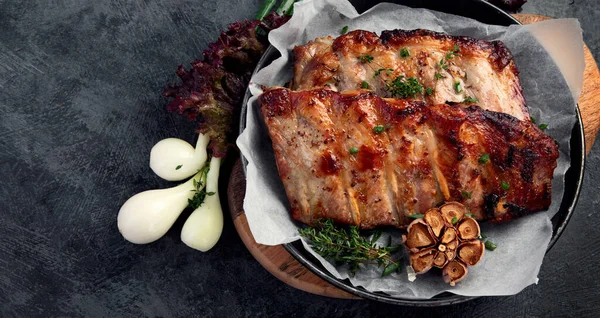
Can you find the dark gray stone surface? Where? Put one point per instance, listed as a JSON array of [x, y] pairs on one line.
[[80, 109]]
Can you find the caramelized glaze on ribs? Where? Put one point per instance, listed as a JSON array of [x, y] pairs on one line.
[[426, 155], [484, 70]]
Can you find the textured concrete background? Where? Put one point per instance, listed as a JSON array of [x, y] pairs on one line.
[[80, 109]]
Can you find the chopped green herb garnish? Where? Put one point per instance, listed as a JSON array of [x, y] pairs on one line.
[[416, 216], [456, 48], [378, 129], [178, 167], [365, 85], [344, 30], [543, 126], [457, 87], [449, 56], [469, 215], [533, 120], [404, 52], [470, 99], [454, 220], [466, 194], [484, 158], [504, 185], [404, 87], [366, 58], [429, 91], [483, 236], [438, 76], [353, 150], [490, 246], [388, 71]]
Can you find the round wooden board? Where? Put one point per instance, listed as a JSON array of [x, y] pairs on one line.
[[285, 267]]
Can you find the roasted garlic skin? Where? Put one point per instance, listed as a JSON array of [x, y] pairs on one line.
[[445, 238]]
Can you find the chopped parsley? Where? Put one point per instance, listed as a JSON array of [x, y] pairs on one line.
[[490, 246], [442, 64], [533, 120], [366, 58], [470, 99], [416, 216], [456, 49], [378, 129], [484, 158], [404, 52], [543, 126], [504, 185], [344, 30], [429, 91], [454, 220], [439, 76], [178, 167], [449, 56], [469, 215], [457, 87], [353, 150], [403, 87], [466, 194], [483, 236], [365, 85], [388, 71]]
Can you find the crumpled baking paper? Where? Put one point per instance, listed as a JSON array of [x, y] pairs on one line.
[[540, 50]]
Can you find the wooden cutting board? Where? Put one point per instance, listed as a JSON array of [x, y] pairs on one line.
[[285, 267]]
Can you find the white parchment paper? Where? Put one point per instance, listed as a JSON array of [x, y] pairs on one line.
[[522, 243]]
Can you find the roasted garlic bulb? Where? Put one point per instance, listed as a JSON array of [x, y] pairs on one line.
[[445, 238]]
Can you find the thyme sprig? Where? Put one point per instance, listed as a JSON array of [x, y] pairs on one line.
[[345, 246], [200, 189]]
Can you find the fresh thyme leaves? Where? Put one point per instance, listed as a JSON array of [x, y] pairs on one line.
[[344, 30], [403, 87], [346, 246], [404, 52], [470, 99], [366, 58], [365, 85], [388, 71], [200, 189], [178, 167]]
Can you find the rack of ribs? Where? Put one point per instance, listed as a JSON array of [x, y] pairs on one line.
[[447, 68], [369, 161]]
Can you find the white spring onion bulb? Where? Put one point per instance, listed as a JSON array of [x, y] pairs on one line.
[[174, 159], [147, 216], [203, 228]]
